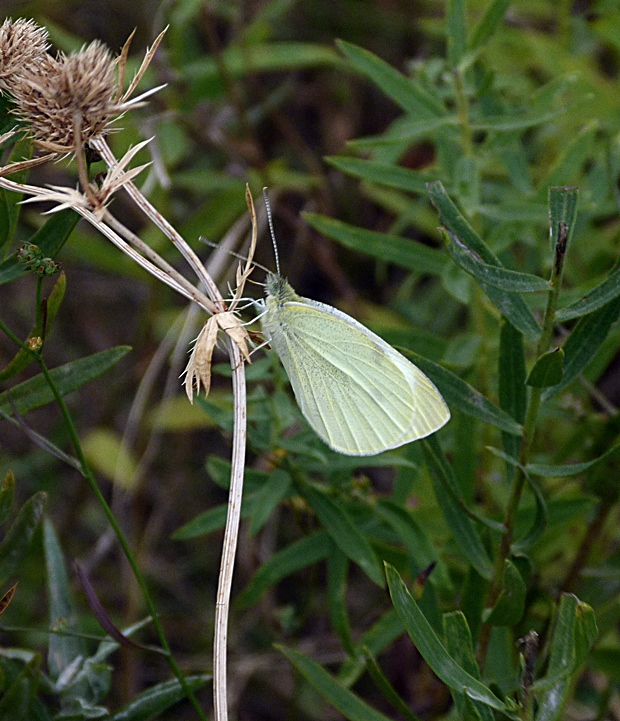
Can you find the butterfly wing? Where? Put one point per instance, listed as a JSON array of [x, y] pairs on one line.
[[359, 395]]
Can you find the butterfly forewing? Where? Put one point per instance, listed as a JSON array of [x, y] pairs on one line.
[[354, 389]]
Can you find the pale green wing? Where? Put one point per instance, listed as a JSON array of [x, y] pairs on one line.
[[360, 395]]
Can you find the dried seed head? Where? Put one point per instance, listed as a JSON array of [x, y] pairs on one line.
[[56, 96], [22, 44]]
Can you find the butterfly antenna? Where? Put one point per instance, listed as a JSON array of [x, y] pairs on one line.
[[234, 255], [273, 235]]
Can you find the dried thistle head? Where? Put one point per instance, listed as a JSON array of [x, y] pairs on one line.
[[23, 44], [56, 96]]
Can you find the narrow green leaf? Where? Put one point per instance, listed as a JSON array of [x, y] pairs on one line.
[[42, 327], [62, 650], [449, 499], [303, 553], [548, 369], [272, 492], [386, 688], [568, 168], [494, 275], [459, 645], [512, 388], [378, 637], [344, 532], [570, 469], [157, 699], [10, 201], [389, 248], [511, 304], [49, 238], [35, 392], [456, 23], [553, 690], [583, 344], [562, 209], [404, 91], [598, 297], [16, 698], [337, 571], [350, 706], [488, 25], [7, 493], [417, 542], [433, 651], [393, 176], [460, 395], [510, 123], [510, 605], [211, 520], [17, 541], [539, 522]]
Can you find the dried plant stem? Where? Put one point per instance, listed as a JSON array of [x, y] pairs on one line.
[[100, 145], [231, 534]]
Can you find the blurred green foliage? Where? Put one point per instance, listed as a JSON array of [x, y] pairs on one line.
[[373, 124]]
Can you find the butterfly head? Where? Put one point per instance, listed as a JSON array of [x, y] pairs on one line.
[[279, 289]]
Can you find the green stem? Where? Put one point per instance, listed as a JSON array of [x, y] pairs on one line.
[[527, 439], [122, 539]]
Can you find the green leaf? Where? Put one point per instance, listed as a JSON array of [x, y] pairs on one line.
[[512, 388], [265, 500], [510, 605], [548, 369], [456, 23], [569, 166], [42, 327], [488, 25], [393, 176], [35, 392], [562, 209], [570, 469], [211, 520], [49, 238], [598, 297], [494, 275], [460, 395], [157, 699], [385, 687], [459, 645], [7, 493], [433, 651], [583, 344], [540, 519], [511, 304], [378, 637], [9, 200], [16, 543], [523, 121], [389, 248], [573, 635], [337, 570], [404, 91], [303, 553], [15, 701], [417, 543], [449, 499], [62, 650], [344, 532], [349, 705]]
